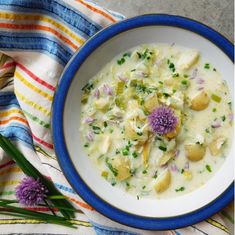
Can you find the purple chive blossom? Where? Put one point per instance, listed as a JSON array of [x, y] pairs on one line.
[[163, 120], [230, 117], [176, 153], [89, 120], [194, 74], [200, 81], [174, 168], [90, 136], [108, 90], [97, 93], [216, 125], [31, 192], [186, 166], [124, 79]]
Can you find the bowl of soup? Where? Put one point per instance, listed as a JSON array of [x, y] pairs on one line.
[[143, 122]]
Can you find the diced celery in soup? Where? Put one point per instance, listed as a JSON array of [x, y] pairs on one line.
[[157, 120]]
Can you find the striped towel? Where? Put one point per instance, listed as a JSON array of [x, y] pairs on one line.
[[37, 39]]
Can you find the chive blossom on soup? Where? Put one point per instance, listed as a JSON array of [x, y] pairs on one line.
[[163, 120]]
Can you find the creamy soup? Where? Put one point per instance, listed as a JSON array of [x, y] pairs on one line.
[[157, 121]]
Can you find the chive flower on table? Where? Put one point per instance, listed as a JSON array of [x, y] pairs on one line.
[[163, 120], [31, 192]]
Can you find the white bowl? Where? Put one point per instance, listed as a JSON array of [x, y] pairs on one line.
[[78, 169]]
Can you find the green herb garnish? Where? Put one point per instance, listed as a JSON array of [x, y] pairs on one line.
[[180, 189], [162, 148], [207, 66], [144, 172], [121, 61], [105, 124], [166, 94], [97, 130], [111, 168], [214, 110], [135, 154], [223, 118], [208, 168], [155, 175], [175, 75], [184, 82], [86, 145], [88, 87], [216, 98]]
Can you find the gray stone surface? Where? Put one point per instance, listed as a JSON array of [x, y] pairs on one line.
[[215, 13]]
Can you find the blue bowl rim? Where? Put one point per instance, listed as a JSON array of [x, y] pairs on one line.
[[66, 163]]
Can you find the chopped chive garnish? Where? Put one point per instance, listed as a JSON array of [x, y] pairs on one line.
[[166, 94], [208, 168], [216, 98], [111, 168], [214, 69], [182, 171], [160, 82], [127, 54], [133, 70], [185, 75], [180, 189], [135, 154], [155, 175], [86, 145], [214, 110], [125, 152], [175, 75], [144, 172], [139, 54], [96, 129], [139, 133], [207, 130], [207, 66], [223, 118], [162, 148], [105, 124], [184, 82], [121, 61]]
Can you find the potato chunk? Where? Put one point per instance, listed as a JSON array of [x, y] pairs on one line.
[[200, 101], [101, 103], [105, 145], [131, 131], [163, 182], [122, 166], [195, 152], [187, 59], [145, 153], [216, 145], [151, 103], [166, 157]]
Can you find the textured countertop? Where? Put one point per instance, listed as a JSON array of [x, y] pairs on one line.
[[217, 14]]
